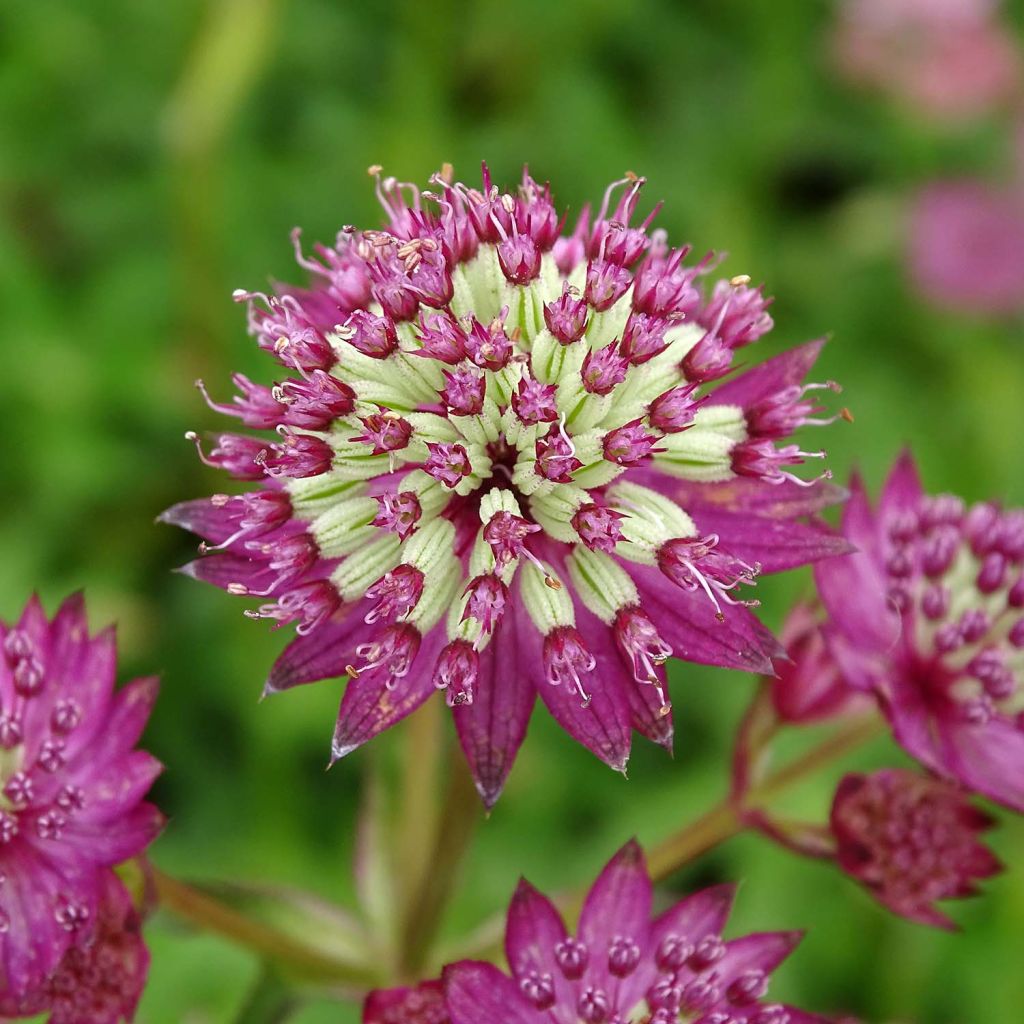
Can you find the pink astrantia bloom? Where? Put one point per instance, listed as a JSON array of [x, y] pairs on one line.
[[966, 246], [929, 616], [622, 965], [549, 480], [71, 786], [911, 840], [99, 981], [950, 59]]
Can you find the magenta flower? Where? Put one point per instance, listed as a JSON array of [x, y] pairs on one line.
[[949, 59], [101, 980], [622, 965], [911, 840], [929, 616], [71, 786], [966, 247], [528, 477]]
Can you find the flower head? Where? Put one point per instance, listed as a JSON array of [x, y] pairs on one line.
[[514, 423], [928, 615], [71, 786], [419, 1004], [100, 980], [911, 840], [950, 59], [966, 246], [622, 965]]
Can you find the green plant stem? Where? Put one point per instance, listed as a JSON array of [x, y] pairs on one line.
[[461, 810], [269, 1001], [725, 819], [293, 958]]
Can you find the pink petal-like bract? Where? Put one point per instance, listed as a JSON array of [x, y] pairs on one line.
[[72, 788]]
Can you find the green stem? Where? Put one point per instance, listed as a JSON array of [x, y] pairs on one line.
[[294, 958], [270, 1001], [461, 810], [725, 820]]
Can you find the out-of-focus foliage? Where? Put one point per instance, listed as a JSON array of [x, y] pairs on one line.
[[155, 156]]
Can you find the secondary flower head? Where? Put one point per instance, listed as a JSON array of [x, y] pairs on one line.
[[929, 616], [911, 840], [71, 786], [966, 246], [527, 474], [101, 980], [950, 59], [419, 1004], [622, 965]]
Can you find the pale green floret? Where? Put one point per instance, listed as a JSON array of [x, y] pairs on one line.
[[344, 527], [427, 547], [312, 495], [429, 426], [604, 328], [360, 571], [548, 606], [498, 499], [602, 584], [651, 520], [440, 593], [703, 453], [352, 460], [432, 494], [555, 508], [587, 411]]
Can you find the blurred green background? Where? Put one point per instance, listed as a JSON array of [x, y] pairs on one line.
[[155, 156]]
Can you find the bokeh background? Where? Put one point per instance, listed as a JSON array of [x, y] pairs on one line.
[[155, 156]]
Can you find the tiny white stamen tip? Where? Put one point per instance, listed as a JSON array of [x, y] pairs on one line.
[[191, 435], [739, 279], [238, 589], [240, 295]]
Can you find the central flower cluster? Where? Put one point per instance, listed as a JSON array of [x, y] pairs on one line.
[[486, 416]]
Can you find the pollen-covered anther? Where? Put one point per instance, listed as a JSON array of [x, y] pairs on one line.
[[534, 402], [566, 317], [506, 534], [567, 660], [447, 463], [760, 458], [397, 592], [556, 456], [456, 671], [604, 370], [398, 513], [630, 444], [598, 526], [486, 597], [385, 432], [698, 563]]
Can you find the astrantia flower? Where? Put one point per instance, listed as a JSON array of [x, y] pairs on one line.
[[950, 59], [505, 464], [100, 980], [966, 246], [623, 966], [71, 786], [911, 840], [929, 615]]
